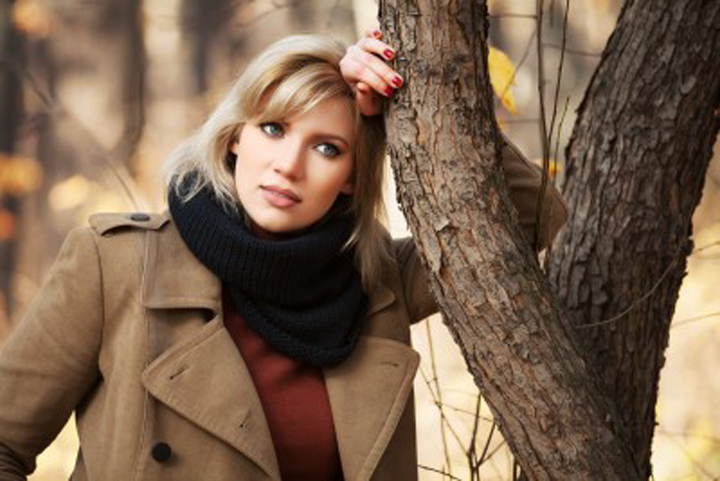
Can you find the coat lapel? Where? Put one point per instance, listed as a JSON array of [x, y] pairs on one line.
[[204, 379], [368, 393], [203, 376]]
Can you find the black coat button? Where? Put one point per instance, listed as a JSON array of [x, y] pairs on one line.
[[161, 452], [140, 217]]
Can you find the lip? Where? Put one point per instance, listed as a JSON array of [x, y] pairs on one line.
[[285, 192], [280, 198]]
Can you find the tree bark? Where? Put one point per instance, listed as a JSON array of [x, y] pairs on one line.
[[636, 165], [443, 143]]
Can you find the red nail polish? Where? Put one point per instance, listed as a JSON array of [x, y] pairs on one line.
[[389, 91], [397, 81], [388, 53], [376, 33]]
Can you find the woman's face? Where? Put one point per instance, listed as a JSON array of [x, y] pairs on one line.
[[289, 173]]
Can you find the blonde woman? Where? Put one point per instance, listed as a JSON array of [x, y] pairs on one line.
[[259, 329]]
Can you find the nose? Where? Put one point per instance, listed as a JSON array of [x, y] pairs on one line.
[[290, 161]]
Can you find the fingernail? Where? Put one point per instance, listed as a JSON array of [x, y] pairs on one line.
[[397, 81], [388, 53], [389, 91], [376, 33]]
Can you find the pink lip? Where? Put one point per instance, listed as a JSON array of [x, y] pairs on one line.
[[280, 197]]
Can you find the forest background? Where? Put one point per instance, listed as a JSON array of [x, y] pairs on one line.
[[94, 96]]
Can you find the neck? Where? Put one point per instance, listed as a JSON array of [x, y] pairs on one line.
[[262, 233]]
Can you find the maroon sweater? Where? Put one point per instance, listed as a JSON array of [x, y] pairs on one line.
[[295, 402]]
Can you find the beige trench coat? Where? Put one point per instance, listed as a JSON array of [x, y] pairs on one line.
[[127, 332]]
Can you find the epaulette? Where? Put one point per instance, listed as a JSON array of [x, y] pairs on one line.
[[105, 223]]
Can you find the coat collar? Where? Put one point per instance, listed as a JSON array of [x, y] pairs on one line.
[[368, 392]]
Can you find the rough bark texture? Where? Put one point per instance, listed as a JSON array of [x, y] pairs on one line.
[[443, 145], [636, 165]]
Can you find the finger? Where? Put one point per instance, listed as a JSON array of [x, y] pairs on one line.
[[369, 103], [379, 68], [363, 87], [373, 33], [364, 72], [377, 47]]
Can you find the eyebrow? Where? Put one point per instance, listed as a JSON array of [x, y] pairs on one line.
[[332, 136]]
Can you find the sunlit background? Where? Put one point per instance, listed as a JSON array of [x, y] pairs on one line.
[[97, 94]]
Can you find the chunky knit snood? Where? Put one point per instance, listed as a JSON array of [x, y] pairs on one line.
[[302, 294]]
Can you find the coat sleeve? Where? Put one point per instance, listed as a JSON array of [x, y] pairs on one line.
[[524, 181], [49, 361]]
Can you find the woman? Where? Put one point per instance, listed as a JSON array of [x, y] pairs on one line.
[[260, 328]]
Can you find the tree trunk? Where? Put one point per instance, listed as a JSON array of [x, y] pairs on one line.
[[636, 164], [494, 298]]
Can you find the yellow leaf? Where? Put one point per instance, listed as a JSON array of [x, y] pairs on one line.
[[18, 175], [554, 167], [502, 77], [69, 193]]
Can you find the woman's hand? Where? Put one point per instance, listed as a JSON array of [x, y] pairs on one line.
[[370, 77]]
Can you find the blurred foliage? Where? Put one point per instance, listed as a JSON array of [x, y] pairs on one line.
[[33, 17], [502, 77], [18, 175]]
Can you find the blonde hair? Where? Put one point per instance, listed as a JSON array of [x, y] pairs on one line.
[[298, 73]]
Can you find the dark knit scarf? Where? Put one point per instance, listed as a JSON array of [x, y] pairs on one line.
[[302, 295]]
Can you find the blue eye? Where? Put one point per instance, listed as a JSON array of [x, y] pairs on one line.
[[273, 129], [328, 150]]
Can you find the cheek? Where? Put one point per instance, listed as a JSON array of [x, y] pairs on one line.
[[334, 180]]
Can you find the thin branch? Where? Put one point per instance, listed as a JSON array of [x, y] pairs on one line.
[[705, 247], [662, 432], [435, 470], [573, 51], [529, 16], [694, 319], [525, 55], [520, 121], [469, 413], [543, 122], [650, 291], [487, 445], [438, 391], [559, 130], [632, 306], [471, 451], [442, 413], [560, 72]]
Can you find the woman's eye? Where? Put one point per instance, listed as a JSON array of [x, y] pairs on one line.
[[328, 150], [273, 129]]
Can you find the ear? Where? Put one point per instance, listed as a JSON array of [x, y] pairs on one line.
[[235, 141], [235, 145]]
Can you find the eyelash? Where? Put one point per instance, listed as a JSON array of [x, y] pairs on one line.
[[336, 149]]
